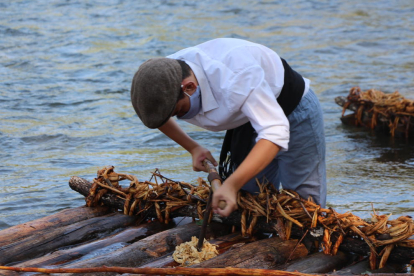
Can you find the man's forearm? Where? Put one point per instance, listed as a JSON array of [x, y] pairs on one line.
[[259, 157], [175, 133]]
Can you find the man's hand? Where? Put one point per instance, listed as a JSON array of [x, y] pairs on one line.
[[200, 153], [228, 193]]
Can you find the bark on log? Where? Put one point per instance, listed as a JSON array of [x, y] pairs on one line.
[[150, 248], [47, 241], [318, 263], [358, 246], [363, 267], [265, 253], [165, 271], [128, 236], [223, 243], [62, 218]]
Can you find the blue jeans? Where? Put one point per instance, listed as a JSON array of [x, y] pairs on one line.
[[302, 167]]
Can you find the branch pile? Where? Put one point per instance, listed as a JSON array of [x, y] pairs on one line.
[[392, 109], [284, 207]]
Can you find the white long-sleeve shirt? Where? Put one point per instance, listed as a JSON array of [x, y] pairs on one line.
[[239, 82]]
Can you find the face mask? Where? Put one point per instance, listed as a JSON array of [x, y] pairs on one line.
[[195, 105]]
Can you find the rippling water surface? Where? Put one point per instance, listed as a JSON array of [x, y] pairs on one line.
[[66, 68]]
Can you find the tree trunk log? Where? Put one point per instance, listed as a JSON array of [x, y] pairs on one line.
[[53, 238], [129, 235], [265, 254], [363, 267], [223, 243], [358, 246], [62, 218], [318, 263], [148, 249], [165, 271]]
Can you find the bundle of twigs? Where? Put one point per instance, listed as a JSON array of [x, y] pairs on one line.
[[164, 196], [284, 207], [393, 108]]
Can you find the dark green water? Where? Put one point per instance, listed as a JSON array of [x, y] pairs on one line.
[[66, 67]]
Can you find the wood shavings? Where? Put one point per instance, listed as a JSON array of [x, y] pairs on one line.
[[187, 254]]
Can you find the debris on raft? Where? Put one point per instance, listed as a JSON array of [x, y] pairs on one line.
[[273, 231], [377, 110]]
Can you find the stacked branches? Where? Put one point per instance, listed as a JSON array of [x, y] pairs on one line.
[[285, 208], [393, 109]]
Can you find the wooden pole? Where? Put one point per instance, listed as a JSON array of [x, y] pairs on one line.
[[160, 271], [56, 237], [62, 218]]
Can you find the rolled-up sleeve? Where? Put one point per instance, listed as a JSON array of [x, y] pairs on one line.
[[257, 101]]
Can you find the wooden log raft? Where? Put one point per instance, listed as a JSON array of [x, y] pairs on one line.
[[354, 245]]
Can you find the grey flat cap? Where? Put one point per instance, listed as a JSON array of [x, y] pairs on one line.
[[155, 90]]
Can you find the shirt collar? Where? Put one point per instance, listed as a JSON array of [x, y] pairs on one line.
[[208, 101]]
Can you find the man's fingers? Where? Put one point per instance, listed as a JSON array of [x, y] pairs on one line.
[[225, 212], [228, 209], [212, 160]]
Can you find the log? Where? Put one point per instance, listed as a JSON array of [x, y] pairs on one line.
[[223, 243], [352, 245], [148, 249], [62, 218], [129, 235], [47, 241], [265, 254], [363, 267], [318, 263], [162, 271]]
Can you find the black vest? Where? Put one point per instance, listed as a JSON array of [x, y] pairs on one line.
[[238, 141], [292, 90]]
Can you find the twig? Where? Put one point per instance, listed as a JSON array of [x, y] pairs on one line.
[[296, 246], [109, 188], [337, 220]]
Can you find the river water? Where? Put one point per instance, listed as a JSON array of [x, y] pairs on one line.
[[66, 68]]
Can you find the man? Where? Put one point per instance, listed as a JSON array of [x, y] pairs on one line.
[[231, 84]]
